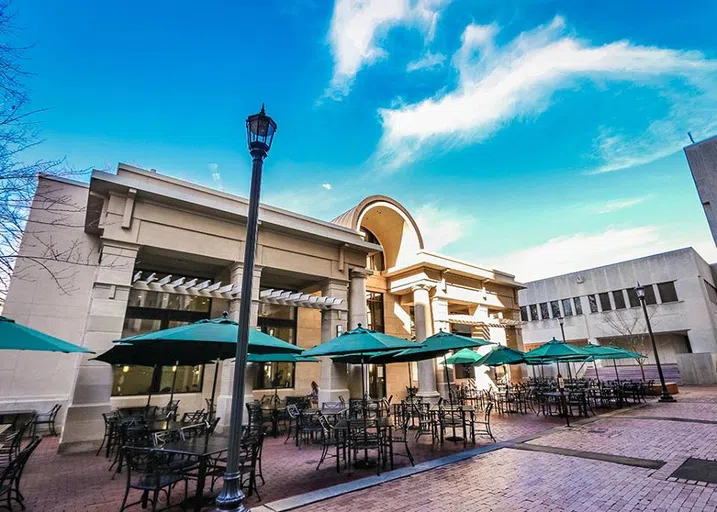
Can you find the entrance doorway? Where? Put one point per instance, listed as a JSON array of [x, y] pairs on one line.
[[377, 380]]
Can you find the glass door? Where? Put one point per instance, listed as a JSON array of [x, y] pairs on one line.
[[377, 380]]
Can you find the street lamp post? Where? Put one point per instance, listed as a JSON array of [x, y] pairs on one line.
[[561, 321], [665, 396], [260, 130]]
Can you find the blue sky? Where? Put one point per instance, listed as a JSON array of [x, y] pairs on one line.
[[537, 137]]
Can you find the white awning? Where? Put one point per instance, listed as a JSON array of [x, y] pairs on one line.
[[182, 286]]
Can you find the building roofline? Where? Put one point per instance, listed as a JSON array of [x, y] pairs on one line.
[[683, 249], [700, 142], [61, 179], [316, 227]]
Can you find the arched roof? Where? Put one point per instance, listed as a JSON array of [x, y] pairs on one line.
[[351, 218]]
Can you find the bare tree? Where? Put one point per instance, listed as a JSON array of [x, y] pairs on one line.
[[19, 194], [629, 325]]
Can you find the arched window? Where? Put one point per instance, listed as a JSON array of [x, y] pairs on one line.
[[375, 261]]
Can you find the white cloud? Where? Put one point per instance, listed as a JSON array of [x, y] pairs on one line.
[[216, 175], [428, 61], [500, 84], [357, 26], [441, 227], [619, 204], [565, 254], [327, 186]]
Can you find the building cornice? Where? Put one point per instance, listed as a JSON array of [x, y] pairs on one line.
[[169, 190]]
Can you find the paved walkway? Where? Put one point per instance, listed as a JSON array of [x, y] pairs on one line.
[[68, 483], [519, 480]]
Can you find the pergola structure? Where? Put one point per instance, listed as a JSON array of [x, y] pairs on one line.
[[216, 289]]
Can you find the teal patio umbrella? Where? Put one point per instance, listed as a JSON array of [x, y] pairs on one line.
[[215, 339], [361, 344], [610, 352], [465, 356], [14, 336], [501, 356]]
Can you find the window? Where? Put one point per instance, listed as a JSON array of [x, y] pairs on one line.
[[555, 308], [667, 292], [593, 303], [632, 297], [375, 261], [278, 321], [650, 295], [578, 306], [150, 311], [567, 307], [605, 302], [374, 311], [711, 292], [619, 299], [524, 314], [544, 312], [533, 312]]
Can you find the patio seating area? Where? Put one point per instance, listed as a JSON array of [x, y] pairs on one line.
[[54, 482]]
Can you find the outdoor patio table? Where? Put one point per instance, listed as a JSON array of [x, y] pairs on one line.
[[15, 415], [465, 411], [554, 398], [202, 448], [383, 425]]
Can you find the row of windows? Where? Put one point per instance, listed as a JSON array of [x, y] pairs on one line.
[[599, 302]]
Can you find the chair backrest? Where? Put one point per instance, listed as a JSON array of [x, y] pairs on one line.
[[212, 425], [12, 473], [193, 431], [165, 436], [488, 410], [55, 409], [332, 406], [293, 411]]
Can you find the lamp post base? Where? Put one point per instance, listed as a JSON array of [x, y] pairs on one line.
[[666, 397], [231, 497]]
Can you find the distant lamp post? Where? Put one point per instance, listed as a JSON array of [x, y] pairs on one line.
[[260, 130], [561, 321], [665, 396]]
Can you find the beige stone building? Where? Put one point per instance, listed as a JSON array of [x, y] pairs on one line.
[[146, 251]]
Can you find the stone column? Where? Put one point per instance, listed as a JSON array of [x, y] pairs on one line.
[[90, 397], [424, 328], [334, 376], [439, 312], [224, 401], [357, 315]]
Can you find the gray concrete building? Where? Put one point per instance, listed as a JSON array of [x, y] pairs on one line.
[[599, 305], [702, 159]]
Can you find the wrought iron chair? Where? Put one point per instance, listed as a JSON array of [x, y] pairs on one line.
[[193, 431], [484, 425], [150, 471], [399, 435], [331, 438], [294, 415], [427, 422], [11, 475], [46, 418], [12, 443], [110, 420]]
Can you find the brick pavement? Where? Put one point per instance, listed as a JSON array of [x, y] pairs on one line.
[[81, 482], [526, 481]]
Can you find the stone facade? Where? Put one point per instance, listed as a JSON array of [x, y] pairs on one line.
[[683, 316], [138, 224]]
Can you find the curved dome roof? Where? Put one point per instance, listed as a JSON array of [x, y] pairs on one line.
[[352, 218]]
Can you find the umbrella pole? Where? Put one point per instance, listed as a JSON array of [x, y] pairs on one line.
[[597, 374], [450, 401], [214, 390], [570, 373], [563, 404], [617, 375], [174, 380]]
